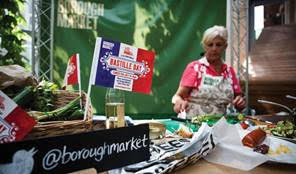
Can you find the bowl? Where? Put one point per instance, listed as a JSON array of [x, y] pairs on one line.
[[156, 130]]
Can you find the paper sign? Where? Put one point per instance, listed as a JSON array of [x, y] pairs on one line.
[[121, 66]]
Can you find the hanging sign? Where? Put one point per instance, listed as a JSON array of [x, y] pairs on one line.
[[102, 150]]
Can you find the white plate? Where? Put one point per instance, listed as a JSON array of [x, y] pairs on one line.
[[284, 138]]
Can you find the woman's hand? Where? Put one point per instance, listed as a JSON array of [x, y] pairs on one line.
[[180, 99], [180, 105], [239, 102]]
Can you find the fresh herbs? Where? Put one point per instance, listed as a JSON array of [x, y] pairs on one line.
[[212, 119], [40, 101], [64, 113], [206, 118], [44, 97]]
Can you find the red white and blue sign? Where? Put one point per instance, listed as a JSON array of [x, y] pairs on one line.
[[121, 66], [15, 123]]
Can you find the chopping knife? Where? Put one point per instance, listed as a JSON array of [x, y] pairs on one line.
[[181, 119]]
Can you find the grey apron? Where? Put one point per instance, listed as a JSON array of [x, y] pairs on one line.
[[212, 96]]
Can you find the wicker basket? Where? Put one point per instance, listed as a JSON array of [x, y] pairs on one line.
[[56, 128]]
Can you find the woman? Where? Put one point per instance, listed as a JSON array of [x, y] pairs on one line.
[[208, 85]]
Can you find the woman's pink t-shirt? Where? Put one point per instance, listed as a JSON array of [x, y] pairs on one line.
[[192, 76]]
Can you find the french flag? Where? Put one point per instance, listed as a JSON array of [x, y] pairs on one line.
[[122, 66], [15, 123]]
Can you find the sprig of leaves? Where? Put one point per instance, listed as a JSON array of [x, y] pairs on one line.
[[44, 97]]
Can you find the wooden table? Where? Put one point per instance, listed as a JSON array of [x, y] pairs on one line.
[[204, 167]]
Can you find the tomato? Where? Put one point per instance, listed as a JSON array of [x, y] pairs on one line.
[[244, 125]]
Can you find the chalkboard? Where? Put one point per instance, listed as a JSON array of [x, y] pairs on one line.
[[103, 150]]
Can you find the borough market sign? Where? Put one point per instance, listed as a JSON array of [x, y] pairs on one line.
[[102, 150]]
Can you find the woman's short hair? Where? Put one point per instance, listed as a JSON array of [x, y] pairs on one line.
[[211, 33]]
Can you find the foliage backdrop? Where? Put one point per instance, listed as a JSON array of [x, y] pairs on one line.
[[171, 28], [11, 36]]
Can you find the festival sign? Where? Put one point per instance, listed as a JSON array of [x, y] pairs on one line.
[[121, 66], [64, 154]]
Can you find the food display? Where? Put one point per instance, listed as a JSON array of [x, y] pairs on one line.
[[263, 148], [244, 125], [184, 132], [212, 119], [282, 129], [39, 102], [254, 138], [156, 130], [281, 149]]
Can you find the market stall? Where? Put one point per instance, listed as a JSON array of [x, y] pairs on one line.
[[176, 145], [227, 155], [53, 120], [50, 128]]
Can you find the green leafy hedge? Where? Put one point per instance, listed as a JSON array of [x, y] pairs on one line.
[[11, 35]]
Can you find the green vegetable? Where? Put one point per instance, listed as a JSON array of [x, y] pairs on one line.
[[60, 113], [24, 97], [283, 129], [44, 96], [76, 115], [212, 119], [241, 117]]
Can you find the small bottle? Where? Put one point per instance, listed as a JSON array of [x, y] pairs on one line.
[[114, 108]]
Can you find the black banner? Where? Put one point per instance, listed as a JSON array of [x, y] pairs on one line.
[[103, 150]]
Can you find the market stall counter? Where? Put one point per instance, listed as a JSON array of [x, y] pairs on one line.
[[222, 150], [202, 166]]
